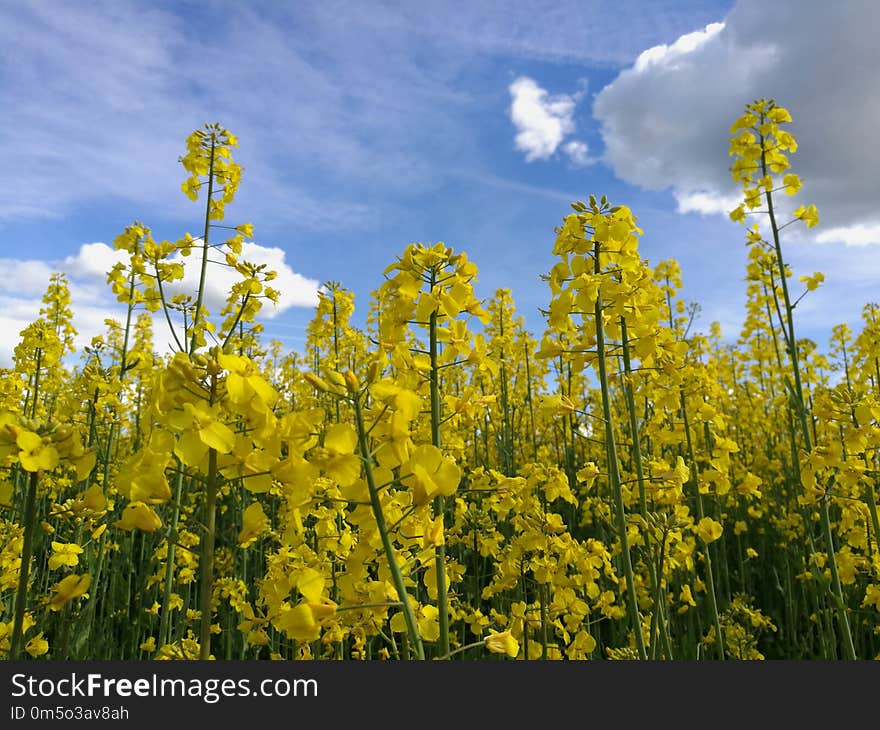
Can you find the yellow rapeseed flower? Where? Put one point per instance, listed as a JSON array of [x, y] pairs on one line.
[[708, 530], [68, 589], [255, 523], [64, 554], [502, 642], [429, 473], [138, 515]]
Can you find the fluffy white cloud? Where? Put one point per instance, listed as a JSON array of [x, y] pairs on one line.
[[665, 120], [860, 234], [666, 55], [704, 202], [577, 152], [665, 124], [91, 262], [542, 121], [19, 310], [25, 282], [296, 290]]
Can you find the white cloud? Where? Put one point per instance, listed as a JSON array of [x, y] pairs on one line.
[[861, 234], [27, 278], [17, 312], [665, 120], [578, 152], [296, 290], [25, 281], [92, 261], [705, 202], [547, 30], [542, 121], [665, 55], [665, 125]]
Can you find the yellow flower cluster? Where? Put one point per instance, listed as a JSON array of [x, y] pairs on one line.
[[442, 483]]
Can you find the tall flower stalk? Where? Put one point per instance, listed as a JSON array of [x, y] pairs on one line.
[[759, 146]]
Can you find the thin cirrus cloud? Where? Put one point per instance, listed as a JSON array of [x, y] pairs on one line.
[[543, 122], [138, 74], [665, 120], [25, 281]]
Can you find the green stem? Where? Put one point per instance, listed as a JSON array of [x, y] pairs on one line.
[[695, 479], [507, 436], [849, 649], [36, 390], [543, 604], [30, 519], [439, 500], [534, 436], [838, 597], [166, 311], [207, 558], [165, 621], [123, 356], [614, 473], [238, 316], [197, 316], [525, 600], [871, 499], [409, 616], [640, 475]]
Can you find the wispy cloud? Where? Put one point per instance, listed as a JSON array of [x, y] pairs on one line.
[[547, 30], [99, 97], [578, 152], [523, 188], [338, 105]]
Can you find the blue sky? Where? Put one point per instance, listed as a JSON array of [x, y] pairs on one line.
[[366, 126]]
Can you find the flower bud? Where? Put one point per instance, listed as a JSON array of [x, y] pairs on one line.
[[317, 382], [334, 377], [351, 381], [373, 371]]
